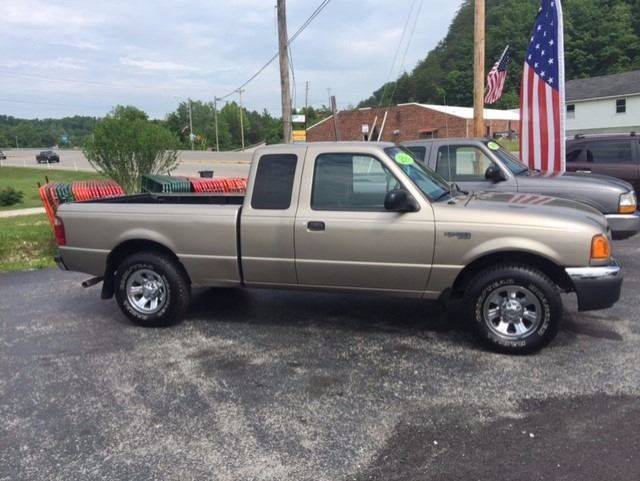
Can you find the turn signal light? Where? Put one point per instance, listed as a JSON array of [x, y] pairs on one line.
[[626, 209], [600, 248], [58, 230], [628, 203]]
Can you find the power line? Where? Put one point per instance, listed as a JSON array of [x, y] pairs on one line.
[[395, 56], [306, 23], [404, 55]]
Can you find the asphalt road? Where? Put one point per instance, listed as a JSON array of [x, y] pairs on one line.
[[190, 162], [266, 385]]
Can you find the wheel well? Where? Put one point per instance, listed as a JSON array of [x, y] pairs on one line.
[[124, 250], [555, 272]]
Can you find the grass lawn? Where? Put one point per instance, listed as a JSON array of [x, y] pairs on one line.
[[26, 242], [24, 179]]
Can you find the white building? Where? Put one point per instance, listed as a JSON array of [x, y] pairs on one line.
[[607, 104]]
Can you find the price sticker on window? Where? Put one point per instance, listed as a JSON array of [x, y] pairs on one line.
[[403, 158]]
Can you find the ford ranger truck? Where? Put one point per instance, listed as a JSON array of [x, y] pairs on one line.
[[349, 217], [484, 165]]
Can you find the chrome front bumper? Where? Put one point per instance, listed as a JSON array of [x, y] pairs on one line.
[[623, 225], [596, 287]]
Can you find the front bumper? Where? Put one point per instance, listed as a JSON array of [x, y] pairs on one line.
[[596, 287], [623, 225]]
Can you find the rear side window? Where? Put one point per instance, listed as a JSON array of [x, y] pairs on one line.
[[610, 152], [419, 152], [573, 154], [274, 182]]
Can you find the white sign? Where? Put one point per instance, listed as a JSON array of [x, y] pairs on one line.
[[365, 128], [298, 119]]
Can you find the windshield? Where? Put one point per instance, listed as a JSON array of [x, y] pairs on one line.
[[430, 183], [510, 161]]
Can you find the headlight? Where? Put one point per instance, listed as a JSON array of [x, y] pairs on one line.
[[628, 203]]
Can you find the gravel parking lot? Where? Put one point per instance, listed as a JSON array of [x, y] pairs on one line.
[[267, 385]]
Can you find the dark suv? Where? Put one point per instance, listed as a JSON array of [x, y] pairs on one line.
[[47, 156], [617, 155]]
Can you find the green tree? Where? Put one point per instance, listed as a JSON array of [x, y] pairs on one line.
[[125, 145], [601, 37]]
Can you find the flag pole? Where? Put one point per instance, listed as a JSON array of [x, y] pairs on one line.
[[478, 70]]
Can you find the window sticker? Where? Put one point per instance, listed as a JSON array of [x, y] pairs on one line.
[[493, 146], [403, 158]]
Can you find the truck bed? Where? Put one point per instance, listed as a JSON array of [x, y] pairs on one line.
[[152, 198], [200, 229]]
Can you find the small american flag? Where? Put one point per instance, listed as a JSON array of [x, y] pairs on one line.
[[542, 97], [497, 77]]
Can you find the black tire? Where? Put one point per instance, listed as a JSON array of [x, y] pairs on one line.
[[168, 272], [527, 286]]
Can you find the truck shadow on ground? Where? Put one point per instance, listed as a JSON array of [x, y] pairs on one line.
[[349, 312], [361, 313]]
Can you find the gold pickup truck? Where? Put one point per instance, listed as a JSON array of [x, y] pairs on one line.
[[359, 217]]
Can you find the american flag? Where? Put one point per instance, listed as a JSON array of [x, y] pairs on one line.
[[542, 114], [496, 78]]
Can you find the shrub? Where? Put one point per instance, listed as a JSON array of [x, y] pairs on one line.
[[10, 196], [125, 145]]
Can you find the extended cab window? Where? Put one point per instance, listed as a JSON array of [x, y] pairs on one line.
[[573, 153], [418, 152], [464, 163], [274, 181], [350, 182], [610, 152]]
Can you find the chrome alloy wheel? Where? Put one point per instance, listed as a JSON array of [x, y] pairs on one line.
[[146, 291], [512, 312]]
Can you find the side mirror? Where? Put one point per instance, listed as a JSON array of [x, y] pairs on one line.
[[494, 174], [399, 200]]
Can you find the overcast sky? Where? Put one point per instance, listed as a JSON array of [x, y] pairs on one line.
[[66, 57]]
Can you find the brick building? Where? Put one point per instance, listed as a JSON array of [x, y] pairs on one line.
[[411, 121]]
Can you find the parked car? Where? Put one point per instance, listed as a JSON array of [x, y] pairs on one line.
[[2, 155], [353, 216], [47, 157], [484, 165], [617, 155]]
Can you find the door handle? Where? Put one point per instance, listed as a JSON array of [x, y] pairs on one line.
[[315, 226], [583, 171]]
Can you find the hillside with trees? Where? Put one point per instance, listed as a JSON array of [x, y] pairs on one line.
[[601, 37], [66, 132], [76, 131]]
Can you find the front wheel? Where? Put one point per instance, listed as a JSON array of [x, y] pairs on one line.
[[513, 309], [152, 290]]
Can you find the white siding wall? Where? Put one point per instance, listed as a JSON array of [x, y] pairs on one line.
[[601, 116]]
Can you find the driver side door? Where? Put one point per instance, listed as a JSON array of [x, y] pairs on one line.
[[466, 166], [344, 237]]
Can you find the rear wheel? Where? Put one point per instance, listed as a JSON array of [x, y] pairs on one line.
[[152, 290], [513, 308]]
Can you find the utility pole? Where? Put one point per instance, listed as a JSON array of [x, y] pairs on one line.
[[478, 70], [306, 96], [334, 111], [190, 126], [283, 49], [215, 121], [241, 118]]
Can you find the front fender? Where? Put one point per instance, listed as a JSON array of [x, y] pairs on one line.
[[511, 244]]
